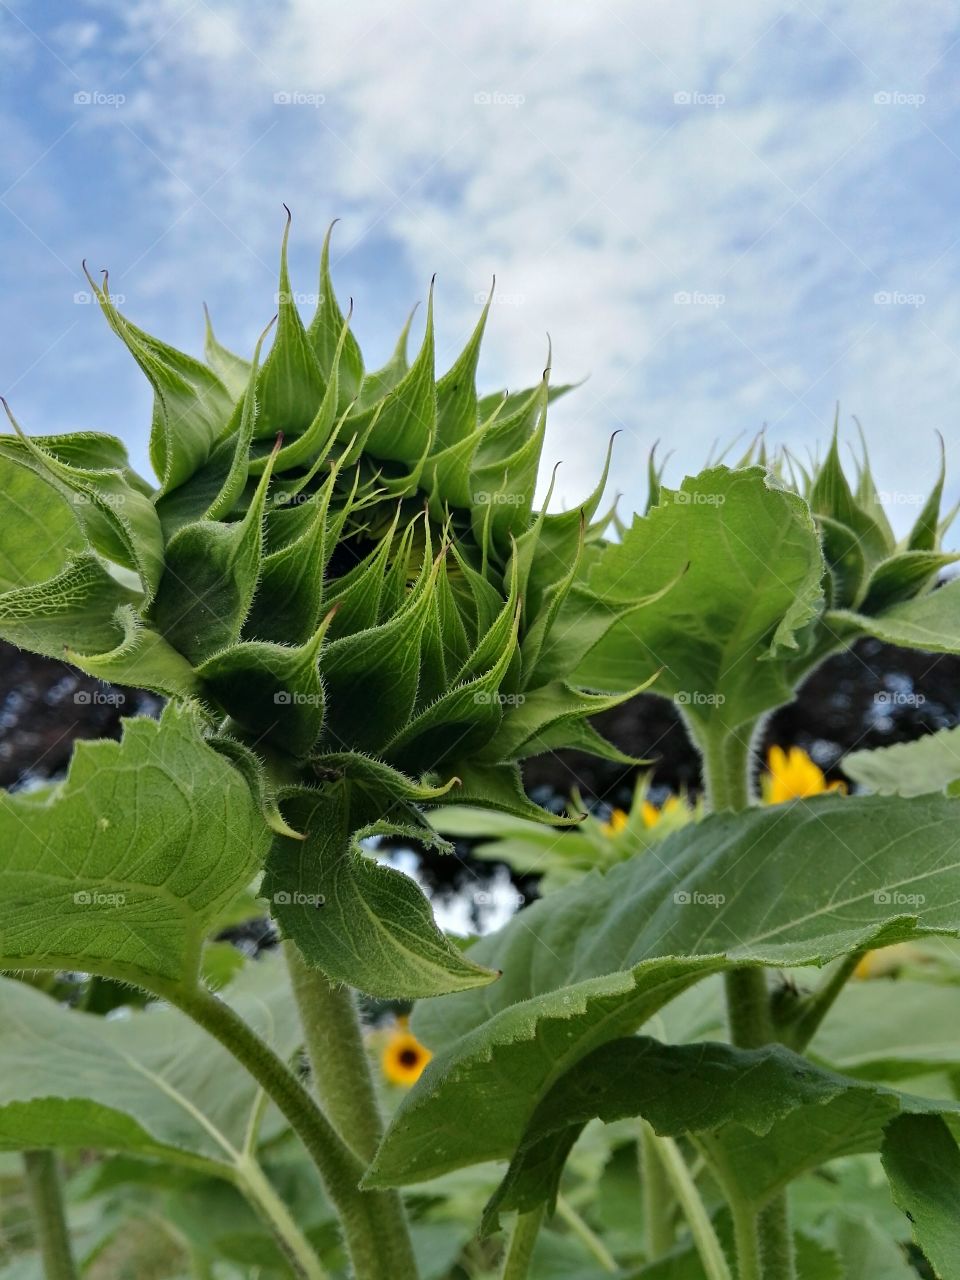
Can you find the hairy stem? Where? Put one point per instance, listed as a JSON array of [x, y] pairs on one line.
[[252, 1181], [516, 1263], [727, 773], [747, 1242], [727, 760], [50, 1221], [568, 1214], [749, 1015], [776, 1240], [339, 1168], [711, 1254], [658, 1199], [344, 1086]]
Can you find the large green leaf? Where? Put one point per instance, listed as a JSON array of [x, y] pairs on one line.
[[908, 768], [706, 1089], [753, 581], [922, 1162], [122, 868], [593, 962], [152, 1083]]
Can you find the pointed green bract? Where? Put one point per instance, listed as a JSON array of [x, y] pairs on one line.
[[325, 330], [291, 383], [191, 404], [356, 919], [210, 580], [272, 692]]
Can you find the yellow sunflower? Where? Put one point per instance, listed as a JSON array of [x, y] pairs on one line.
[[649, 814], [794, 776], [404, 1057], [616, 823]]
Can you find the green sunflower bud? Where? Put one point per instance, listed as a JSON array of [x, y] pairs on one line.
[[345, 572]]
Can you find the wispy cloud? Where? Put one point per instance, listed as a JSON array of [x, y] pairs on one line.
[[725, 217]]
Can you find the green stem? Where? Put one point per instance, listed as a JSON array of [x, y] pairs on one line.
[[339, 1168], [711, 1253], [749, 1016], [252, 1181], [568, 1214], [657, 1198], [344, 1086], [338, 1061], [726, 757], [516, 1263], [776, 1240], [50, 1221], [746, 1241], [726, 768], [809, 1014]]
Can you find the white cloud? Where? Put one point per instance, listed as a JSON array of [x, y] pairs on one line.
[[592, 193]]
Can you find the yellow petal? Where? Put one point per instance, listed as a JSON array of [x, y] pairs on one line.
[[404, 1059], [615, 823]]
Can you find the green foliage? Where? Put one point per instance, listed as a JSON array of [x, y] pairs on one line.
[[908, 768], [335, 562], [363, 627], [712, 899], [124, 867]]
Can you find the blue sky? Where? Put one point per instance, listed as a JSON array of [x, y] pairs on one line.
[[724, 215]]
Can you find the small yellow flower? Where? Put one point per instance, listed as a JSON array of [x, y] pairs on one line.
[[616, 823], [404, 1057], [794, 776], [651, 814]]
